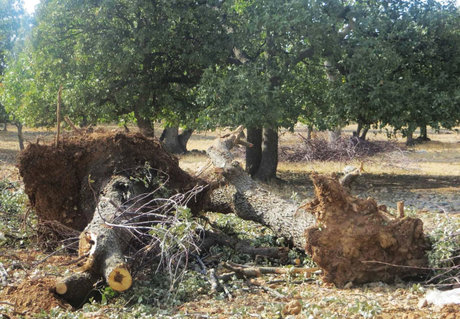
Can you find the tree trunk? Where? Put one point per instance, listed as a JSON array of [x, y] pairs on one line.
[[410, 138], [184, 137], [174, 142], [254, 153], [20, 135], [333, 136], [423, 134], [364, 133], [249, 200], [269, 161], [5, 126], [309, 132], [358, 130], [144, 124], [103, 244]]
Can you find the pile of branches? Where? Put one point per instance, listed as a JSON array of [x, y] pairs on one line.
[[344, 149]]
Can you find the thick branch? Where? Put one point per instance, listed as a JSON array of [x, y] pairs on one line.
[[249, 200], [105, 244]]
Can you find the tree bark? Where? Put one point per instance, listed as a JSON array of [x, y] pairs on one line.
[[253, 153], [364, 133], [249, 200], [333, 136], [103, 244], [269, 161], [309, 132], [423, 134], [5, 126], [184, 137], [358, 130], [410, 138], [20, 135], [173, 141], [144, 124]]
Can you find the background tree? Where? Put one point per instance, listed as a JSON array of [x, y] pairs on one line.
[[14, 25], [124, 59], [398, 65], [274, 47]]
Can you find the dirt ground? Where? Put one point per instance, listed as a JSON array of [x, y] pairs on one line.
[[426, 177]]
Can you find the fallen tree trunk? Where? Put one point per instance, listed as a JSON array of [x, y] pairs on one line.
[[103, 244], [64, 183], [249, 200], [351, 239]]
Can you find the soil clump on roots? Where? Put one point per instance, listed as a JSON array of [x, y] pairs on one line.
[[63, 183], [357, 241]]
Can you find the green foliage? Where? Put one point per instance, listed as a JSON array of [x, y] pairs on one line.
[[10, 15], [445, 243], [260, 84], [365, 309], [12, 213], [399, 64], [115, 58], [10, 23], [151, 180], [224, 63]]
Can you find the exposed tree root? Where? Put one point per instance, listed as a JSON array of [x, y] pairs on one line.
[[351, 231]]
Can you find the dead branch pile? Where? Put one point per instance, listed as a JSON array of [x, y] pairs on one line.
[[344, 149]]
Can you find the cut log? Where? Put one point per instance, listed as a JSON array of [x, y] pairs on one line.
[[77, 288], [104, 244], [249, 200]]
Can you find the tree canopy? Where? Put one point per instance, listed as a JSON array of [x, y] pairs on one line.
[[10, 13], [262, 64]]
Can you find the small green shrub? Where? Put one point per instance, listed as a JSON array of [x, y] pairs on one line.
[[12, 213], [445, 241]]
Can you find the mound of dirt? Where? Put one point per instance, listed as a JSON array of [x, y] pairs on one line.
[[63, 183], [32, 296], [357, 241]]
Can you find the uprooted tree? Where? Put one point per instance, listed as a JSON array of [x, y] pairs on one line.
[[86, 183]]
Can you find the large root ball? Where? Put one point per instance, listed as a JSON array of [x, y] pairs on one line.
[[355, 241], [63, 183]]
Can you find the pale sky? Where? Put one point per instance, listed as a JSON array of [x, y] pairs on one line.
[[29, 5]]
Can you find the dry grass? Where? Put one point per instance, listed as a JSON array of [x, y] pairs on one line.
[[441, 156]]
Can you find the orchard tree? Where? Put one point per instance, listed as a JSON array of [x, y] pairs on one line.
[[14, 26], [275, 45], [126, 59], [10, 11], [399, 66]]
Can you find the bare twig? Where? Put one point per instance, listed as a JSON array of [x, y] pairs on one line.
[[250, 271], [72, 125], [58, 116]]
